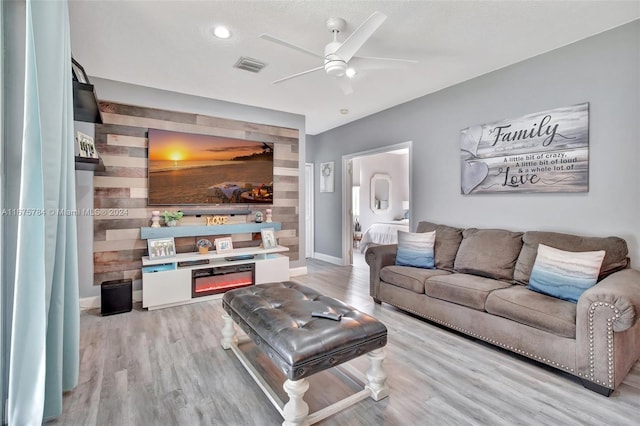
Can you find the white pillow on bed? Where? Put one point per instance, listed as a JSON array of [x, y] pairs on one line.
[[416, 249]]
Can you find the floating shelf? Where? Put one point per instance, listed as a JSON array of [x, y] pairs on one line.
[[90, 164], [209, 212], [213, 257], [196, 231]]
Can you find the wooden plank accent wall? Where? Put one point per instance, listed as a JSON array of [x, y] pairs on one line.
[[122, 143]]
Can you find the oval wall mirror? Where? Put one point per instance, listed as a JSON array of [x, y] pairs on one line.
[[380, 193]]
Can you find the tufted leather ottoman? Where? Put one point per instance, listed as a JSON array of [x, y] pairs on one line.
[[277, 317]]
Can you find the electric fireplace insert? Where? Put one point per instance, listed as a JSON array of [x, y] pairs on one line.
[[219, 279]]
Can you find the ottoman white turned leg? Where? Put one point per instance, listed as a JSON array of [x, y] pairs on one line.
[[228, 332], [296, 410], [376, 376]]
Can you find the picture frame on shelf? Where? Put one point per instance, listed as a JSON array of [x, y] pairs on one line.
[[269, 238], [78, 72], [161, 247], [86, 145], [223, 245]]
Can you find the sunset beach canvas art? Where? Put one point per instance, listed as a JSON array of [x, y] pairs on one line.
[[193, 169]]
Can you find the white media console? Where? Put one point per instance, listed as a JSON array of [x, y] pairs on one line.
[[193, 277]]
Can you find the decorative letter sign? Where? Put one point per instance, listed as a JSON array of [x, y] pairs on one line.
[[543, 152], [217, 220]]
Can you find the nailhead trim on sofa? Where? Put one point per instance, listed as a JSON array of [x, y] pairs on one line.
[[616, 314]]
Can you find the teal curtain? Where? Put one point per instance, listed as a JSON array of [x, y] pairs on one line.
[[44, 348]]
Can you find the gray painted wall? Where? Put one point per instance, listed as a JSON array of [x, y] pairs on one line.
[[84, 202], [603, 70], [327, 226]]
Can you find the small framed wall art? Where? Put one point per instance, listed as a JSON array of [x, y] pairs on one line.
[[269, 238], [161, 247], [326, 176], [224, 245]]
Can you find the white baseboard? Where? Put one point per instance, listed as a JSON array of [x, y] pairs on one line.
[[89, 303], [329, 259], [95, 302], [296, 272]]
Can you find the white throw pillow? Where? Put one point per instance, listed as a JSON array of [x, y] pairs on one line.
[[416, 249], [565, 274]]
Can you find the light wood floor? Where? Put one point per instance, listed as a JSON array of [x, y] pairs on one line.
[[166, 367]]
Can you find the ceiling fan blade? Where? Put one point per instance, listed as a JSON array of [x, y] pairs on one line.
[[298, 74], [345, 85], [371, 58], [289, 45], [356, 39], [371, 63]]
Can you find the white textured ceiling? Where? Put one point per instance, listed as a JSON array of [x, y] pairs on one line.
[[168, 45]]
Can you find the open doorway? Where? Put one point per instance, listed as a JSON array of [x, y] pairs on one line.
[[377, 198]]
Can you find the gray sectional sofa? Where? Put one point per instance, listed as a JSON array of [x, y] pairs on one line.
[[478, 287]]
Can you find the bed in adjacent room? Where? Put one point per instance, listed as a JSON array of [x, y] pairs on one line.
[[383, 233]]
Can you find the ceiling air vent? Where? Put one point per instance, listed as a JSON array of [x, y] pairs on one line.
[[249, 64]]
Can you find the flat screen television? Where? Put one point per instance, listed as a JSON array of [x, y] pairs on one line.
[[192, 169]]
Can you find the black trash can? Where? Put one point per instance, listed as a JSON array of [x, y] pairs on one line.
[[116, 297]]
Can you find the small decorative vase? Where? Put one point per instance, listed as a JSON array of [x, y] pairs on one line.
[[172, 223], [268, 216], [155, 219], [203, 250]]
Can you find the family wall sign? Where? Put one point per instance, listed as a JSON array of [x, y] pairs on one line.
[[546, 151]]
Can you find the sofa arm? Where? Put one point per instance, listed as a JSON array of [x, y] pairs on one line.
[[608, 330], [377, 257], [620, 292]]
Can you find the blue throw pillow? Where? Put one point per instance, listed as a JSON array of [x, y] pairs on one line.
[[416, 249], [565, 274]]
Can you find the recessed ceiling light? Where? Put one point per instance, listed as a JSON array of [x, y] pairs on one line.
[[351, 72], [221, 32], [344, 111]]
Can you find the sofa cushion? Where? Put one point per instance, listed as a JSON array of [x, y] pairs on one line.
[[416, 249], [490, 253], [408, 277], [463, 289], [538, 310], [565, 274], [447, 243], [614, 260]]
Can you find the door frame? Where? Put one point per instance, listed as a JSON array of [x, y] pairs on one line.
[[309, 210], [347, 183]]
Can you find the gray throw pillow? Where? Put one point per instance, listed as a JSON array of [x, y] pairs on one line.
[[490, 253], [447, 243]]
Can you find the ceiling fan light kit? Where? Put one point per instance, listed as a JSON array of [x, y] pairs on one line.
[[337, 55], [333, 65]]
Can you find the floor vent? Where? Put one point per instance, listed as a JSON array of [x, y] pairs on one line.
[[249, 64]]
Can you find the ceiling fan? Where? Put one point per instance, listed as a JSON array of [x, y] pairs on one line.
[[340, 56]]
